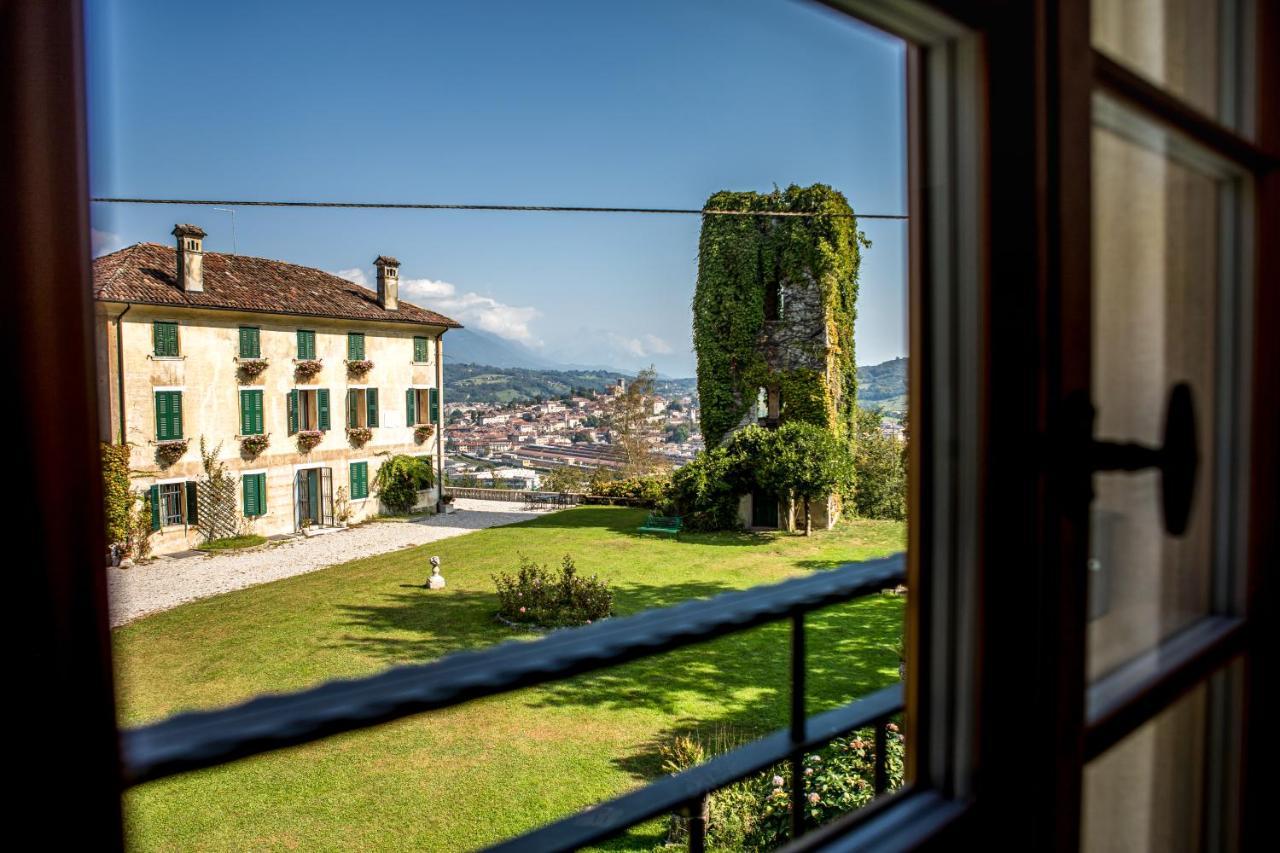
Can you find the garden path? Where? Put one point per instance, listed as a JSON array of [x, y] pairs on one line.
[[167, 582]]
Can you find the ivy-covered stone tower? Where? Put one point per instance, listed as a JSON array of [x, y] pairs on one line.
[[774, 311]]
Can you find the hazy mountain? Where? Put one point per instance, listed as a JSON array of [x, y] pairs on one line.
[[474, 346], [883, 385]]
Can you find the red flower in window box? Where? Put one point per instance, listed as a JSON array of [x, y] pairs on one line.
[[359, 367], [169, 452], [251, 368], [307, 367], [309, 438], [424, 432], [359, 435], [254, 444]]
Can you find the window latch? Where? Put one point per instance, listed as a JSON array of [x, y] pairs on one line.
[[1178, 460]]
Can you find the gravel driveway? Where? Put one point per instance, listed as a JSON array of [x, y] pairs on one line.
[[167, 582]]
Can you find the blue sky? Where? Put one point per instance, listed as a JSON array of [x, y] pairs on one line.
[[649, 104]]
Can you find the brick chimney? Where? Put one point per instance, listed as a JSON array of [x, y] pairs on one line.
[[388, 282], [190, 257]]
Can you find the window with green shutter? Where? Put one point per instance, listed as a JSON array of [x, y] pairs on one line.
[[291, 406], [359, 480], [371, 407], [322, 409], [433, 404], [168, 415], [421, 349], [255, 494], [250, 342], [355, 346], [411, 407], [165, 336], [306, 344], [251, 420]]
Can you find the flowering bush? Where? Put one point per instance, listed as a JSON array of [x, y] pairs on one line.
[[169, 452], [359, 367], [254, 444], [755, 814], [359, 435], [535, 597], [251, 368], [309, 438], [308, 368], [424, 432]]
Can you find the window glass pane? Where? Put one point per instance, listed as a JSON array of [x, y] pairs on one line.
[[171, 503], [1166, 787], [1161, 315], [1184, 46]]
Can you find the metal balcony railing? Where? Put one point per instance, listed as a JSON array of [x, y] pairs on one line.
[[201, 739]]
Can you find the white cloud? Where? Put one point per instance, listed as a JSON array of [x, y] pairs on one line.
[[470, 309], [105, 242], [642, 347]]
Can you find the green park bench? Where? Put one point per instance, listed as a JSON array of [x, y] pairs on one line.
[[666, 524]]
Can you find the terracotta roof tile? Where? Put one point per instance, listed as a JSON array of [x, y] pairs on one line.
[[146, 273]]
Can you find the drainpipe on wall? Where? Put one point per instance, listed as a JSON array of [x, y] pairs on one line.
[[120, 367], [440, 426]]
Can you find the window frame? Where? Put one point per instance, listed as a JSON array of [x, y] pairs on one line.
[[352, 339], [257, 342], [362, 466], [309, 337], [261, 392], [156, 326], [181, 412]]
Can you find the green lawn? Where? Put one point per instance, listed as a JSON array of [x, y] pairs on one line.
[[462, 778]]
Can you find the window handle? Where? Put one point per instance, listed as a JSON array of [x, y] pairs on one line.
[[1178, 460]]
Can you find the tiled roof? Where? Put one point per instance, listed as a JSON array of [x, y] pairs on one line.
[[146, 273]]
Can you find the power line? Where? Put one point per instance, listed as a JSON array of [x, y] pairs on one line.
[[515, 208]]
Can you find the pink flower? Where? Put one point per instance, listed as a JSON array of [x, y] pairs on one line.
[[777, 781], [808, 771], [815, 799], [893, 727], [521, 609]]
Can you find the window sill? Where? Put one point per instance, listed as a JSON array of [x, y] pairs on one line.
[[155, 357]]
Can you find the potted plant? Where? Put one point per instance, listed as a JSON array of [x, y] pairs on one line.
[[359, 435], [252, 445], [359, 367], [250, 368], [446, 504], [423, 432], [309, 438], [307, 368], [169, 452]]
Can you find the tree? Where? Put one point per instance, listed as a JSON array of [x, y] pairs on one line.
[[628, 421], [677, 433], [399, 479], [807, 463], [565, 479], [881, 470]]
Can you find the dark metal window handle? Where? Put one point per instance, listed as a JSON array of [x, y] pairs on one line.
[[1178, 460]]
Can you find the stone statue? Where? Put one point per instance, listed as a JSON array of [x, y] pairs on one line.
[[436, 581]]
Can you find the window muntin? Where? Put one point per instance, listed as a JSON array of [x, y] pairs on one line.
[[250, 342], [306, 344], [172, 510], [164, 336]]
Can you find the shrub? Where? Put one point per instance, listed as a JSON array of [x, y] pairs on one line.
[[650, 490], [536, 597], [118, 499], [702, 493], [755, 814], [399, 479], [882, 473]]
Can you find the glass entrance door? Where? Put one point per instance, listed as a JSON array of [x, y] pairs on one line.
[[315, 497]]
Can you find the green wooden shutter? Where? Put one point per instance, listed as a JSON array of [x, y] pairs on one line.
[[433, 403], [371, 407], [255, 494], [193, 502], [164, 336], [155, 507], [250, 342], [322, 408], [162, 416], [420, 352], [262, 493], [352, 403], [355, 346], [293, 411], [306, 344], [259, 413], [410, 407], [246, 413], [359, 480], [175, 421]]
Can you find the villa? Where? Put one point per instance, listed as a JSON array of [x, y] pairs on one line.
[[304, 380]]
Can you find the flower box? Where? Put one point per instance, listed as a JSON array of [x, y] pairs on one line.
[[254, 444], [250, 368], [309, 438], [169, 452], [359, 367], [424, 432], [359, 435], [307, 368]]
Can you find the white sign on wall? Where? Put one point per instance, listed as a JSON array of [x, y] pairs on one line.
[[392, 418]]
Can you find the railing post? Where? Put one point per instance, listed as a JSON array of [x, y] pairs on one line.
[[797, 724], [882, 759], [698, 815]]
